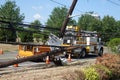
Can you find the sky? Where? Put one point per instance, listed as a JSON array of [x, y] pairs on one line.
[[41, 9]]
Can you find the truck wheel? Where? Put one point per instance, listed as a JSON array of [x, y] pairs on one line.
[[66, 55], [82, 53], [100, 52]]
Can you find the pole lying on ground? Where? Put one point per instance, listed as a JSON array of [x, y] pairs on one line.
[[38, 56]]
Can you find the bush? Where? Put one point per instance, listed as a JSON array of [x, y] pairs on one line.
[[112, 62], [104, 72], [107, 67], [91, 74], [114, 45]]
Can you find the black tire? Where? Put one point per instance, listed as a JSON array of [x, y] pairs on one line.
[[58, 62], [66, 55], [100, 52], [82, 54]]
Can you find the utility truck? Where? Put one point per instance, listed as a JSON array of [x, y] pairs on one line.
[[89, 42]]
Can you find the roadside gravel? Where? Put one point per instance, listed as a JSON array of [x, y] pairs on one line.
[[56, 73]]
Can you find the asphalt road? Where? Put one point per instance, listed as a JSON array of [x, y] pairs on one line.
[[7, 56]]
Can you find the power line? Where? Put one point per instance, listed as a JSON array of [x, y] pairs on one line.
[[65, 6], [58, 3], [114, 2]]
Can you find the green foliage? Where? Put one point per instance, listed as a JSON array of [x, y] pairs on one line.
[[91, 74], [118, 28], [57, 17], [37, 36], [45, 36], [104, 72], [109, 26], [42, 36], [9, 12], [114, 45], [35, 25], [25, 36], [88, 22], [97, 72], [103, 67]]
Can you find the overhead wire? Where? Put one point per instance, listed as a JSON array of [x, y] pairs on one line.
[[82, 11], [67, 6], [58, 3], [114, 2], [28, 25]]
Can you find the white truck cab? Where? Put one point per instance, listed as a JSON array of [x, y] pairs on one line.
[[89, 42]]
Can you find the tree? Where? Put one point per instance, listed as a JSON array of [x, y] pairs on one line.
[[42, 35], [114, 45], [36, 24], [89, 22], [35, 27], [118, 29], [9, 12], [57, 17], [109, 27], [25, 36]]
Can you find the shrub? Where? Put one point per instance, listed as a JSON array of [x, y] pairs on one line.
[[104, 72], [107, 67], [91, 74], [112, 62], [114, 45]]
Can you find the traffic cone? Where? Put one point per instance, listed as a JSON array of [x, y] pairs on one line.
[[1, 51], [47, 60], [15, 65], [69, 58]]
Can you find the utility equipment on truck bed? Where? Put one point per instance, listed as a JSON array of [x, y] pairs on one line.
[[89, 41]]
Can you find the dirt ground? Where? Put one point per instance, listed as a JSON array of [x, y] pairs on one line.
[[42, 74], [56, 73], [8, 47]]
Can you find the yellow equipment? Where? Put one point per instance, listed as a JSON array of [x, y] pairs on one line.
[[30, 50]]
